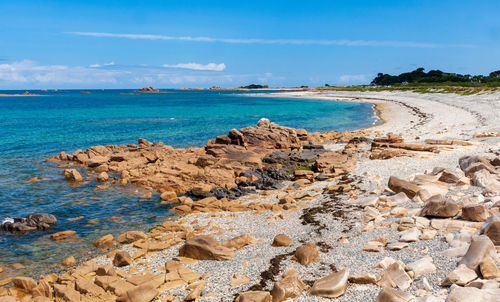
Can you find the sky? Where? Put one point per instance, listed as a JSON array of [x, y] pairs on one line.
[[175, 44]]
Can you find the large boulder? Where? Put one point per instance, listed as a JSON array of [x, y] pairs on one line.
[[122, 258], [38, 221], [72, 175], [335, 162], [395, 276], [205, 248], [480, 248], [475, 212], [399, 185], [131, 236], [491, 228], [331, 286], [439, 207]]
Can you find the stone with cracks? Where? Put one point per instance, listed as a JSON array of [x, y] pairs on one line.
[[437, 207], [480, 248], [395, 276]]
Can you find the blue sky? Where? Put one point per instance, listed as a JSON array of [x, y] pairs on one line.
[[173, 44]]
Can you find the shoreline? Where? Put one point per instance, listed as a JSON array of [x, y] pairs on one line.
[[395, 112]]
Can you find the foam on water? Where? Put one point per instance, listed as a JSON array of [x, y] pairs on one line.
[[35, 128]]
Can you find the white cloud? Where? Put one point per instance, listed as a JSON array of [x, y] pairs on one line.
[[30, 72], [353, 78], [31, 75], [343, 42], [99, 65], [197, 66]]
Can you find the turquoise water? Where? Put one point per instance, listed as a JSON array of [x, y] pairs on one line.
[[34, 128]]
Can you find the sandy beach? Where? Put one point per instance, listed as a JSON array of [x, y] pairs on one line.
[[373, 241]]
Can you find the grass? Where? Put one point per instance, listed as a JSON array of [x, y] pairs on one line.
[[421, 88]]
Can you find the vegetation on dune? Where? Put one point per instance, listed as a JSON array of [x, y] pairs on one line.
[[434, 81], [254, 86], [419, 76]]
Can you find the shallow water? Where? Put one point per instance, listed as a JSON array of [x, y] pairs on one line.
[[34, 128]]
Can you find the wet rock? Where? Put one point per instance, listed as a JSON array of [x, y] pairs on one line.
[[131, 236], [460, 276], [69, 261], [289, 287], [33, 222], [106, 240], [169, 196], [122, 258], [480, 248], [62, 235], [282, 240], [399, 185], [392, 295], [254, 296], [331, 286], [205, 248], [72, 175], [306, 254], [437, 207], [102, 177]]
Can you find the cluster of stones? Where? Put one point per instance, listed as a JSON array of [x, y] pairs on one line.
[[393, 145], [470, 224], [222, 164]]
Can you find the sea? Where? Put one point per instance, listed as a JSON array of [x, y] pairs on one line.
[[35, 128]]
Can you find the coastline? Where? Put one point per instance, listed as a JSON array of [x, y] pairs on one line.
[[400, 113]]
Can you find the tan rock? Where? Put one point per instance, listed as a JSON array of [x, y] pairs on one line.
[[331, 286], [238, 242], [102, 177], [67, 292], [72, 175], [436, 206], [282, 240], [62, 235], [177, 272], [480, 248], [392, 295], [289, 287], [122, 258], [460, 276], [141, 293], [491, 228], [169, 196], [205, 248], [363, 279], [472, 294], [131, 236], [489, 269], [395, 276], [306, 254], [254, 296], [69, 261], [239, 280], [398, 185], [421, 266], [25, 283], [106, 240], [475, 212], [196, 289]]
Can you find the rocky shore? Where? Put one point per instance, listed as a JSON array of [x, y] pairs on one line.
[[404, 211]]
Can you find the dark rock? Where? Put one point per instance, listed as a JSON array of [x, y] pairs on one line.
[[38, 221]]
